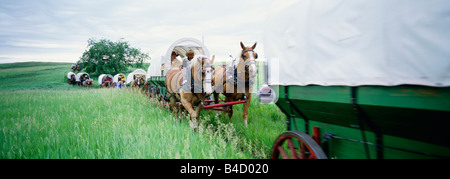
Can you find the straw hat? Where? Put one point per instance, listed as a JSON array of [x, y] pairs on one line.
[[189, 52]]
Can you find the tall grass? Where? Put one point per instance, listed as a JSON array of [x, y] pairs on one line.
[[101, 123], [265, 123]]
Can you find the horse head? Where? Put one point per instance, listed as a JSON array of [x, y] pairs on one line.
[[248, 60], [203, 67], [138, 80]]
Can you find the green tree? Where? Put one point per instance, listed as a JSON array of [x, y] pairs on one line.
[[105, 56]]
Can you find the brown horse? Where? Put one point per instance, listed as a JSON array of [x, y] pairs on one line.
[[191, 85], [138, 81], [146, 86], [88, 83], [236, 81]]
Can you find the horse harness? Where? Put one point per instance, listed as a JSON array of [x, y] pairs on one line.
[[236, 80], [192, 87]]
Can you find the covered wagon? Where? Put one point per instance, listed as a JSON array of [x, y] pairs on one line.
[[159, 66], [105, 80], [119, 80], [136, 78], [71, 78], [83, 79], [360, 79]]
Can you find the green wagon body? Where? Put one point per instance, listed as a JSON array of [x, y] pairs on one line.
[[398, 122], [157, 85]]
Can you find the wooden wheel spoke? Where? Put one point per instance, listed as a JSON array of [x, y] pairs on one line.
[[292, 148], [302, 150], [299, 146], [282, 152]]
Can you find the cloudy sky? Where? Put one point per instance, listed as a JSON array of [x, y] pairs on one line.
[[58, 30]]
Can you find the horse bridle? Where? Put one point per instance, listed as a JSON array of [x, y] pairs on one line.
[[203, 69], [251, 50], [251, 61]]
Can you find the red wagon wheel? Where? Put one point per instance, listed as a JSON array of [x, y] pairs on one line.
[[296, 145]]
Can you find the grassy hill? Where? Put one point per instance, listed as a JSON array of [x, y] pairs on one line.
[[44, 117], [33, 75]]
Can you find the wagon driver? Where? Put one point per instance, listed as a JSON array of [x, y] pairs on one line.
[[175, 62], [187, 61]]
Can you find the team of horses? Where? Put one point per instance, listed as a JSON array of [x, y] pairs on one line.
[[192, 86]]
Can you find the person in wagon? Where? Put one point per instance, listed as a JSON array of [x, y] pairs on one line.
[[83, 78], [78, 68], [107, 81], [187, 61], [121, 81], [175, 62]]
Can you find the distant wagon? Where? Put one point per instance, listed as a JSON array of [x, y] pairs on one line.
[[71, 78], [119, 80], [83, 79], [361, 79], [105, 80], [136, 78]]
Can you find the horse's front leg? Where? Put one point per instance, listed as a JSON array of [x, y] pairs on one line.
[[246, 105], [216, 98], [188, 106], [197, 110], [228, 110], [173, 106]]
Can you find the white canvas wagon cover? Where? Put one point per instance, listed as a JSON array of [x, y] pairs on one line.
[[181, 47], [102, 76], [116, 77], [70, 74], [354, 42], [135, 72], [78, 76]]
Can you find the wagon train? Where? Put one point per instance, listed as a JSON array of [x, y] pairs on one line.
[[104, 80], [367, 88]]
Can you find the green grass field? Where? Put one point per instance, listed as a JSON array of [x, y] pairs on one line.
[[44, 117]]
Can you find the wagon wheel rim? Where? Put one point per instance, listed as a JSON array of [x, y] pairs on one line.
[[296, 145]]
